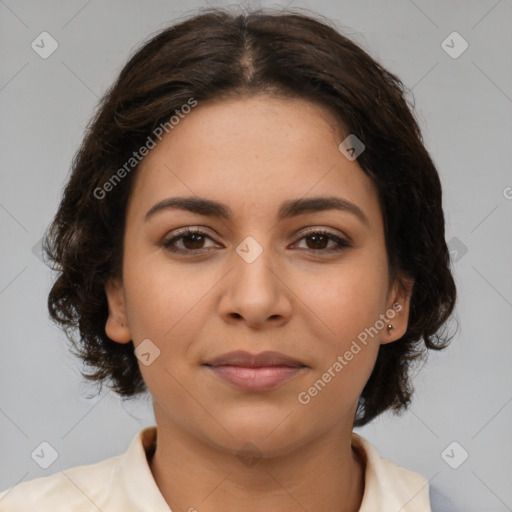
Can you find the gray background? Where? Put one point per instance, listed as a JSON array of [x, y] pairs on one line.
[[463, 394]]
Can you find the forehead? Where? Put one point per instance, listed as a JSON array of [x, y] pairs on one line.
[[253, 153]]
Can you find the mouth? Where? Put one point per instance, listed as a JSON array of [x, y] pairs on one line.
[[255, 372]]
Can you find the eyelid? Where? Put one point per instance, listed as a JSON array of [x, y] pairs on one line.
[[185, 231], [342, 242], [325, 230]]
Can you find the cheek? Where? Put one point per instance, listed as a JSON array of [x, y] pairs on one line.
[[167, 305], [163, 298], [335, 389], [348, 307], [345, 301]]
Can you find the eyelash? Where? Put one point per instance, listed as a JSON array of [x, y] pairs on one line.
[[342, 244]]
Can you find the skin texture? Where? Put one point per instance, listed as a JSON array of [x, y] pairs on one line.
[[253, 153]]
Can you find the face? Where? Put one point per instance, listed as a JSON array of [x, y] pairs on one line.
[[305, 281]]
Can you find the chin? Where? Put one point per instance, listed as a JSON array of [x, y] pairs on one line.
[[269, 435]]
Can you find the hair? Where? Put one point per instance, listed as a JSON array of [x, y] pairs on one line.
[[218, 54]]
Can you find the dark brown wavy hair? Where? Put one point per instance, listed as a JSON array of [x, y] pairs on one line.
[[218, 53]]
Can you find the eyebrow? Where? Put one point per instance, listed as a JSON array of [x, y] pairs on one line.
[[288, 209]]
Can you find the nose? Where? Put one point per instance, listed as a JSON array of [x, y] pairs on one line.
[[255, 293]]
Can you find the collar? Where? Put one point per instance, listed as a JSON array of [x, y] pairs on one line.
[[387, 486]]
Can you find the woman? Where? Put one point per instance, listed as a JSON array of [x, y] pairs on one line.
[[253, 232]]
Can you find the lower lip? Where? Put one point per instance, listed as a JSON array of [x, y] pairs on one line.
[[261, 378]]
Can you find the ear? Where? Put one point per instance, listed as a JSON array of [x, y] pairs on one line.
[[398, 307], [116, 327]]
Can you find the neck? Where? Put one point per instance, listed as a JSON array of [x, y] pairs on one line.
[[192, 475]]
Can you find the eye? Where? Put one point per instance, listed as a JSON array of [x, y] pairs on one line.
[[320, 238], [192, 240]]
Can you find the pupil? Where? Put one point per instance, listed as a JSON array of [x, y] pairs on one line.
[[188, 237], [316, 237]]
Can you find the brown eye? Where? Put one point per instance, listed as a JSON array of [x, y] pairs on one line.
[[318, 240], [192, 241]]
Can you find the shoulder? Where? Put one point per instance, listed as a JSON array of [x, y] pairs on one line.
[[123, 483], [80, 488], [389, 486]]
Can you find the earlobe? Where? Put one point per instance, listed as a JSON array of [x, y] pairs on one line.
[[116, 326], [397, 313]]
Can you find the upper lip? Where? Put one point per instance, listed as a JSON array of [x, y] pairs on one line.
[[242, 358]]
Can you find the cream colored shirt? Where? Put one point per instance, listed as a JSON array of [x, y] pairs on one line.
[[124, 483]]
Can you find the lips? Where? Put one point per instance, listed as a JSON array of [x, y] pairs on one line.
[[255, 372], [268, 358]]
